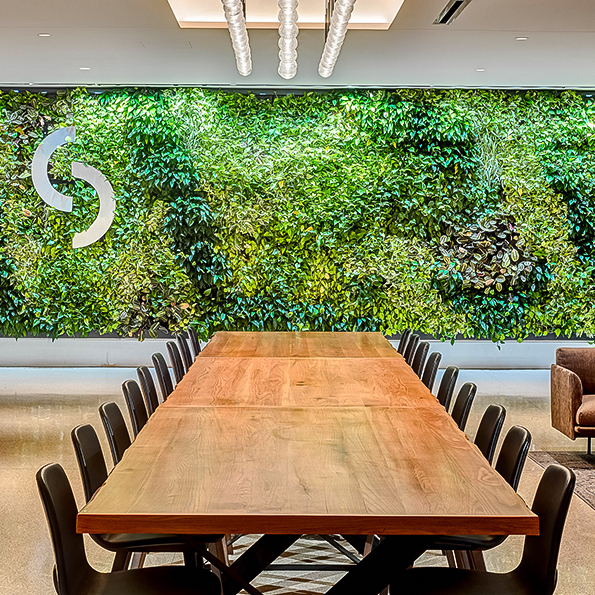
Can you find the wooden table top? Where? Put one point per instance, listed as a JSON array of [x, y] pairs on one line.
[[358, 470], [303, 382], [306, 344]]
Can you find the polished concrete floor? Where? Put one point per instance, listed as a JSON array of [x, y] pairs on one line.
[[39, 407]]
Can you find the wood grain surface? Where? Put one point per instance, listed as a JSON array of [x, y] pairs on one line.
[[297, 345], [304, 382], [360, 470]]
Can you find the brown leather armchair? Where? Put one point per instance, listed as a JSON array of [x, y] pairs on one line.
[[573, 393]]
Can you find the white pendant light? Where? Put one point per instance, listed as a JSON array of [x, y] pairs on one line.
[[236, 23], [288, 32], [336, 36]]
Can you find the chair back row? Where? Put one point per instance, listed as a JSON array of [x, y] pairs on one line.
[[136, 405], [118, 437], [489, 430]]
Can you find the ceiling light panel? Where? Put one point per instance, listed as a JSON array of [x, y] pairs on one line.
[[263, 14]]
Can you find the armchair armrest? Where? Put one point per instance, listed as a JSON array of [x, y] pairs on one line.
[[566, 398]]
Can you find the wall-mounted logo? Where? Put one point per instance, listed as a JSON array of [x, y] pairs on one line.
[[41, 182]]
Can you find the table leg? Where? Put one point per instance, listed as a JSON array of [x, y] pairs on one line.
[[393, 554], [253, 561]]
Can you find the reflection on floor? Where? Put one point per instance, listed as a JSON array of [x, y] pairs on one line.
[[39, 407]]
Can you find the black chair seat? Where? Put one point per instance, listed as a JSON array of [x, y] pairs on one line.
[[138, 543], [453, 581], [469, 542], [153, 581]]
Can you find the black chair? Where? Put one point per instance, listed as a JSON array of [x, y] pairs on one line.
[[462, 406], [185, 351], [194, 341], [147, 385], [176, 361], [411, 347], [93, 470], [447, 386], [118, 437], [535, 575], [419, 359], [489, 430], [73, 574], [509, 465], [403, 341], [513, 455], [429, 375], [163, 375], [136, 405]]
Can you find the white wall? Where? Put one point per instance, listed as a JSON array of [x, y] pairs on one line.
[[485, 355], [129, 353]]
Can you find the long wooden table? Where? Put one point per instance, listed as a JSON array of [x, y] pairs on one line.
[[284, 444]]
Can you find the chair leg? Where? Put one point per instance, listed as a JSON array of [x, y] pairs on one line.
[[589, 445], [228, 539], [476, 560], [369, 545], [137, 560], [450, 557], [189, 558], [462, 559], [121, 561]]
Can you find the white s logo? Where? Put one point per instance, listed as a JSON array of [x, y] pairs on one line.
[[43, 186]]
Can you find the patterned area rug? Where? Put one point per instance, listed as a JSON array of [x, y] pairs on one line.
[[310, 549], [582, 464]]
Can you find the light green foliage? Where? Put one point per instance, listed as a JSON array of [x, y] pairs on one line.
[[313, 212]]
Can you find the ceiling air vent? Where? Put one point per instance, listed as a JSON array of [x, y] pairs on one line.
[[451, 11]]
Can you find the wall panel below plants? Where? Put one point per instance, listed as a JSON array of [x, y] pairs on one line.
[[451, 212]]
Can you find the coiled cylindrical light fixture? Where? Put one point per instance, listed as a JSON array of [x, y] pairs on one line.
[[236, 23], [339, 19], [288, 32]]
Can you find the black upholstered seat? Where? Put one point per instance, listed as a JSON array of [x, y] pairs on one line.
[[147, 385], [74, 576], [163, 376], [535, 575]]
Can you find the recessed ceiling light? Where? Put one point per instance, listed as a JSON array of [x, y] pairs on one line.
[[522, 39], [84, 68], [44, 35], [480, 70]]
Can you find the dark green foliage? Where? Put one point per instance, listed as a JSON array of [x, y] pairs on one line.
[[452, 212]]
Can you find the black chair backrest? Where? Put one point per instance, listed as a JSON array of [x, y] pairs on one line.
[[90, 459], [163, 375], [462, 406], [194, 341], [447, 386], [176, 361], [540, 554], [147, 385], [411, 347], [136, 405], [185, 351], [403, 341], [419, 359], [429, 375], [61, 510], [489, 430], [115, 427], [513, 455]]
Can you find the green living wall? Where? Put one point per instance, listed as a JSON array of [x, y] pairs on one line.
[[453, 212]]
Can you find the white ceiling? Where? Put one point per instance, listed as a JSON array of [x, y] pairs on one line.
[[262, 14], [139, 42]]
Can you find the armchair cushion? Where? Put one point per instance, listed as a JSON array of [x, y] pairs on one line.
[[581, 361], [585, 415]]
